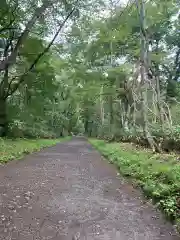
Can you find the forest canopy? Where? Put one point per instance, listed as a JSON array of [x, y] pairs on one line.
[[105, 69]]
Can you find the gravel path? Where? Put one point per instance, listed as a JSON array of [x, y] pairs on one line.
[[69, 192]]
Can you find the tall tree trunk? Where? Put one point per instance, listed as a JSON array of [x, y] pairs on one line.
[[110, 101], [3, 107], [3, 118], [111, 109], [111, 86], [158, 90], [144, 62], [102, 105], [159, 103]]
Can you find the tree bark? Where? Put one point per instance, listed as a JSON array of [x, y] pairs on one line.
[[102, 105], [110, 100], [3, 103], [3, 118], [144, 104]]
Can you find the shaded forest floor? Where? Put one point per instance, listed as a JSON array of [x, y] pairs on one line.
[[69, 190]]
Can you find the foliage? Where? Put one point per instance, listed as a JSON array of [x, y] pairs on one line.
[[66, 69], [16, 149], [101, 64], [28, 75], [86, 82], [158, 175]]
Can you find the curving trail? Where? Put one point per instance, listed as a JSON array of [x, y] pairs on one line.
[[69, 192]]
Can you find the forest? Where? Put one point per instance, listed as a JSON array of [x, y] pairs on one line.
[[104, 69], [107, 70], [112, 74]]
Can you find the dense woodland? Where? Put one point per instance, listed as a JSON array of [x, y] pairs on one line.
[[106, 69]]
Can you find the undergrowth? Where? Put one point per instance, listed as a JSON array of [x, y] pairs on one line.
[[158, 175], [17, 148]]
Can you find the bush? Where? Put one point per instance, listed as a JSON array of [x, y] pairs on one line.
[[168, 140], [19, 129]]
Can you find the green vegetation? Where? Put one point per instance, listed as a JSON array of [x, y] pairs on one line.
[[16, 149], [88, 78], [111, 71], [157, 174]]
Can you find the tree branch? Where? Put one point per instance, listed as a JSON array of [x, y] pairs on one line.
[[22, 78], [11, 59], [177, 66]]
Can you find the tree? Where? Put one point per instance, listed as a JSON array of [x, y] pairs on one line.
[[18, 34], [98, 77], [114, 46]]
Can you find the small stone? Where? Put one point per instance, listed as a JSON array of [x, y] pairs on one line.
[[11, 207], [27, 198], [28, 194], [76, 236]]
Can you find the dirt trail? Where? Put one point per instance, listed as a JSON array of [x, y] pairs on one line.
[[69, 190]]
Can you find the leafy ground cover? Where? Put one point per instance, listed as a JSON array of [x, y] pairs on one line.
[[16, 149], [157, 174]]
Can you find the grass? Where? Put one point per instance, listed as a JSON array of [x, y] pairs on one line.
[[157, 175], [16, 149]]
